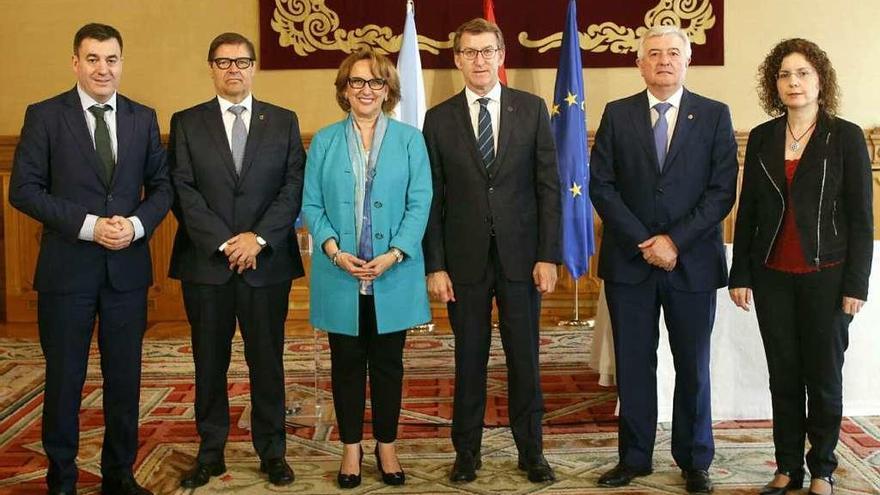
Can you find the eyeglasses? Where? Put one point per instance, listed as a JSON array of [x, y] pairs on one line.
[[225, 63], [799, 74], [471, 54], [359, 83]]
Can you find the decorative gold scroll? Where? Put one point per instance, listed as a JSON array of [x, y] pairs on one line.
[[621, 39], [309, 25]]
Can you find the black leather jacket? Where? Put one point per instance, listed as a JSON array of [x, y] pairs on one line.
[[831, 195]]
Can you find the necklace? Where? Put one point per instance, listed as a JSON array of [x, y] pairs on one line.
[[796, 145]]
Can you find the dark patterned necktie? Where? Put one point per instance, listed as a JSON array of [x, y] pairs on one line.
[[485, 138], [103, 145]]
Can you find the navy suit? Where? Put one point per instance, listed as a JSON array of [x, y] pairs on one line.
[[57, 178], [686, 201]]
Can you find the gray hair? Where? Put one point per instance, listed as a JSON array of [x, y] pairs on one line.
[[664, 30]]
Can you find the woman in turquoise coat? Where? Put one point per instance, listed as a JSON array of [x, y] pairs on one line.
[[366, 199]]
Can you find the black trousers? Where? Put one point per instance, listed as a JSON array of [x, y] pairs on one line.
[[519, 307], [350, 359], [805, 334], [66, 324], [212, 311]]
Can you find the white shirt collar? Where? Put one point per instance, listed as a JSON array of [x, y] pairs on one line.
[[247, 103], [87, 101], [494, 94], [674, 100]]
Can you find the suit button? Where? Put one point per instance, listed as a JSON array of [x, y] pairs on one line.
[[109, 198], [379, 236], [659, 190], [377, 204], [491, 190]]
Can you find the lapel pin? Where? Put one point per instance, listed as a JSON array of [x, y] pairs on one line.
[[262, 116], [690, 116], [509, 109]]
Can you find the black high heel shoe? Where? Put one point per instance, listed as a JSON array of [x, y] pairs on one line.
[[351, 480], [795, 482], [394, 479], [827, 479]]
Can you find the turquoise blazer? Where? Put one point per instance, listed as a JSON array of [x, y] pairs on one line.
[[401, 200]]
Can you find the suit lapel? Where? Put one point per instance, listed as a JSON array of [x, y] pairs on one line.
[[640, 115], [256, 131], [688, 117], [76, 122], [124, 133], [214, 124], [466, 128], [506, 111]]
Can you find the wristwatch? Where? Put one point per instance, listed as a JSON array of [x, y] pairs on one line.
[[261, 241], [397, 254]]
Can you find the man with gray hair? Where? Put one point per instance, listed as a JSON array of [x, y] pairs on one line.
[[661, 202]]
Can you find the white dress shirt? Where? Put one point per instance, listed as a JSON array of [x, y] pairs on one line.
[[87, 231], [494, 107], [671, 113]]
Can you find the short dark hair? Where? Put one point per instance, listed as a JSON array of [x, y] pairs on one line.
[[477, 25], [100, 32], [380, 66], [829, 91], [230, 39]]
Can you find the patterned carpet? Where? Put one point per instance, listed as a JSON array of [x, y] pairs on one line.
[[580, 436]]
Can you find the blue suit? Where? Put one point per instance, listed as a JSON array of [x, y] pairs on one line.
[[401, 199], [686, 201], [57, 179]]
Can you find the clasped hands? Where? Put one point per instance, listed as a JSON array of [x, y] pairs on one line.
[[660, 251], [114, 233], [363, 270], [241, 251]]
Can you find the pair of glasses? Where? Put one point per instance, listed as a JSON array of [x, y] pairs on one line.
[[471, 54], [359, 83], [798, 74], [225, 63]]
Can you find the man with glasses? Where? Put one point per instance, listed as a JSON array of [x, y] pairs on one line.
[[82, 161], [237, 168], [494, 231]]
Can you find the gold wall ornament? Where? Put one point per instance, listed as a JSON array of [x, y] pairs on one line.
[[309, 25], [598, 38]]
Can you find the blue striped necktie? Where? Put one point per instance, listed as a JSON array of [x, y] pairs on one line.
[[661, 132], [485, 138]]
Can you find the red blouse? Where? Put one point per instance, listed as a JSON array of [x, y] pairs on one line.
[[787, 254]]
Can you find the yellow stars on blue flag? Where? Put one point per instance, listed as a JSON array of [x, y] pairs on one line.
[[575, 189], [554, 110], [572, 99]]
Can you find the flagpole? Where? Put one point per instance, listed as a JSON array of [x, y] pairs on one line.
[[576, 321]]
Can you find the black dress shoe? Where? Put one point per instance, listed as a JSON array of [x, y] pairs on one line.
[[622, 475], [465, 467], [279, 471], [394, 479], [827, 479], [347, 480], [795, 482], [538, 471], [201, 474], [697, 481], [124, 486]]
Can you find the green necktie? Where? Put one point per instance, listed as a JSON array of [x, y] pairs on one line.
[[102, 140]]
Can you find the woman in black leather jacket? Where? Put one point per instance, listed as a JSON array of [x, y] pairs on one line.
[[802, 246]]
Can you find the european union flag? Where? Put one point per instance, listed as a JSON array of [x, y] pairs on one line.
[[569, 123]]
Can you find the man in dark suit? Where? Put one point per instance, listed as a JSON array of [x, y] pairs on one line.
[[663, 177], [493, 232], [237, 168], [82, 163]]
